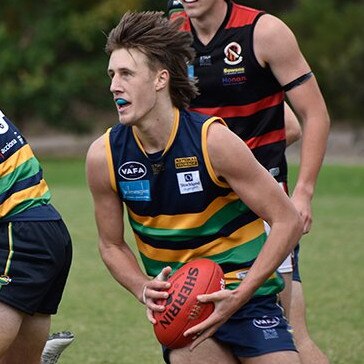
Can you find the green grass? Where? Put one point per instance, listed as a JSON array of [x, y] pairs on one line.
[[111, 327]]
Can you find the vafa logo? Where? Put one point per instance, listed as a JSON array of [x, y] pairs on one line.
[[132, 171]]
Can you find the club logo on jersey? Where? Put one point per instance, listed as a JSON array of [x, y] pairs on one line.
[[266, 322], [189, 182], [233, 54], [4, 126], [132, 171], [186, 162]]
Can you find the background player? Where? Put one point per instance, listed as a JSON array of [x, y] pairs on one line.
[[247, 61], [35, 251]]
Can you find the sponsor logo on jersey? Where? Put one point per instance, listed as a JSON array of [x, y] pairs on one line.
[[136, 190], [266, 322], [8, 146], [189, 182], [233, 54], [186, 162], [132, 171], [205, 61], [234, 71], [191, 71]]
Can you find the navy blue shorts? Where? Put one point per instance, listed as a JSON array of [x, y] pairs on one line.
[[35, 258], [258, 328], [296, 272]]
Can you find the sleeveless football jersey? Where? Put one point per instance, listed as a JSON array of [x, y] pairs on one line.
[[177, 207], [24, 194], [236, 88]]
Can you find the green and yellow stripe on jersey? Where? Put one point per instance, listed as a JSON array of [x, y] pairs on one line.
[[21, 183]]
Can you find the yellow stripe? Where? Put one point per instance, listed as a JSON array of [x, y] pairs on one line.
[[11, 251], [22, 155], [109, 160], [206, 154], [185, 221], [174, 131], [17, 198], [170, 139], [232, 277], [217, 246]]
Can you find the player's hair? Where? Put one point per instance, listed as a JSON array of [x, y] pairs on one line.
[[164, 45]]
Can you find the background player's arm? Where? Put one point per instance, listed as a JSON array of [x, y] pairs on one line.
[[292, 126], [275, 45]]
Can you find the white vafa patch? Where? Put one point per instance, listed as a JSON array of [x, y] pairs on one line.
[[189, 182], [4, 127]]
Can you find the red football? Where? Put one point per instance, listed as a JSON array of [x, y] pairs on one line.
[[183, 310]]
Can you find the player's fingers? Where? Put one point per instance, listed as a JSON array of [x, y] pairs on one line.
[[150, 294], [203, 327], [211, 297], [307, 225], [164, 274], [150, 316]]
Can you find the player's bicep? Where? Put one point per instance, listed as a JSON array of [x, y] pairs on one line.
[[232, 160], [108, 208], [276, 46]]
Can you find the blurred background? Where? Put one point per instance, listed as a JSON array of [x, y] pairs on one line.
[[53, 65], [53, 85]]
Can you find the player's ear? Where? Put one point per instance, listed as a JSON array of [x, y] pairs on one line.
[[162, 79]]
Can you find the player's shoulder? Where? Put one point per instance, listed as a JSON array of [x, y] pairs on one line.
[[271, 27], [96, 151]]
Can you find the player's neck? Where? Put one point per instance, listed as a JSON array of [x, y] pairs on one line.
[[207, 25], [154, 132]]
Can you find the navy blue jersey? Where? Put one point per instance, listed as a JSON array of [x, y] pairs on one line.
[[178, 209]]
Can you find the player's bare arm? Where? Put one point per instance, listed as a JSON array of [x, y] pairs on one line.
[[114, 251], [256, 187], [292, 126], [275, 45]]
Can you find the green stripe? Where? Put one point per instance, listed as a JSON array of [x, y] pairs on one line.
[[154, 267], [30, 203], [25, 170], [212, 226], [242, 253]]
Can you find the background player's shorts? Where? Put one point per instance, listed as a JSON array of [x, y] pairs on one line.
[[258, 328], [296, 272], [287, 265], [35, 258]]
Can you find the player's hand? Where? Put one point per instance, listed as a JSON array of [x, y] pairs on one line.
[[303, 206], [154, 292], [226, 303]]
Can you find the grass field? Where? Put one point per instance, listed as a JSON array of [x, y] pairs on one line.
[[111, 327]]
